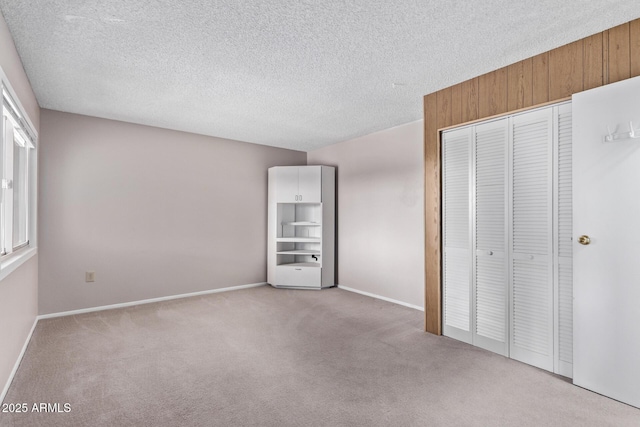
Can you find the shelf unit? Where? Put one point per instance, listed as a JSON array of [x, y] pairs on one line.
[[301, 227]]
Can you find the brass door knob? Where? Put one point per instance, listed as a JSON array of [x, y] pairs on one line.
[[584, 240]]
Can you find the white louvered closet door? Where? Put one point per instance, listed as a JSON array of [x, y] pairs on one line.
[[507, 236], [456, 234], [490, 284], [563, 249], [531, 263]]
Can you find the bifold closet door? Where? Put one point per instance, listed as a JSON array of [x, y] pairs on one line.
[[490, 285], [456, 234], [531, 263], [564, 242]]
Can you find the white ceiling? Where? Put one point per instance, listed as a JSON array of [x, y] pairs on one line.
[[299, 74]]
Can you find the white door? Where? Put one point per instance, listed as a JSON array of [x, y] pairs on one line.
[[310, 184], [563, 245], [606, 272], [490, 284], [531, 264], [287, 184], [456, 233]]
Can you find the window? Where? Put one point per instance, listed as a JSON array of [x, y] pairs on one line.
[[18, 148]]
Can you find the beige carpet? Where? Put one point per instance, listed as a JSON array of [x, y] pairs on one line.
[[273, 357]]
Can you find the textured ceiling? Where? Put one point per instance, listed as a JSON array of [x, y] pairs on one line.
[[298, 74]]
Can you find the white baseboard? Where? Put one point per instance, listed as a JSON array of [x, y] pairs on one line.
[[17, 364], [369, 294], [109, 307], [148, 301]]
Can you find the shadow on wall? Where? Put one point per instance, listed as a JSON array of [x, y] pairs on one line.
[[337, 227]]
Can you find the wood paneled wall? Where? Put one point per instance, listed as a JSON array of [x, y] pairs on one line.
[[594, 61]]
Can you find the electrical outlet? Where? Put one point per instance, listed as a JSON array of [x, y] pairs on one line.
[[90, 276]]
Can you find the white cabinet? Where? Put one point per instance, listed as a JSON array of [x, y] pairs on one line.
[[301, 227], [296, 184], [505, 230], [297, 276]]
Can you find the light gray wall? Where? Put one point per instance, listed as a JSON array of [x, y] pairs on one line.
[[19, 290], [380, 211], [153, 212], [18, 311]]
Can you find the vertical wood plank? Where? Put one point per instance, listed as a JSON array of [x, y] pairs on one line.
[[619, 53], [540, 64], [456, 104], [469, 100], [492, 93], [565, 70], [432, 294], [593, 66], [520, 85], [634, 47], [605, 57], [443, 112]]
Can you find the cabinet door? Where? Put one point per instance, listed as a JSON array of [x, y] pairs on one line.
[[490, 285], [300, 277], [456, 234], [531, 239], [310, 184], [287, 184]]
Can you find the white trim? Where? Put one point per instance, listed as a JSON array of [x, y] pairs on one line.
[[369, 294], [14, 97], [104, 307], [14, 261], [11, 262], [147, 301], [18, 361]]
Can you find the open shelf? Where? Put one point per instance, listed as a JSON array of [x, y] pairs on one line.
[[299, 239], [301, 264], [299, 252]]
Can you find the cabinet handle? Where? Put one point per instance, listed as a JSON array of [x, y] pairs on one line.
[[299, 269], [296, 197], [300, 197]]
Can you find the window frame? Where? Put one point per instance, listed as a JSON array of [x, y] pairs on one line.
[[19, 254]]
